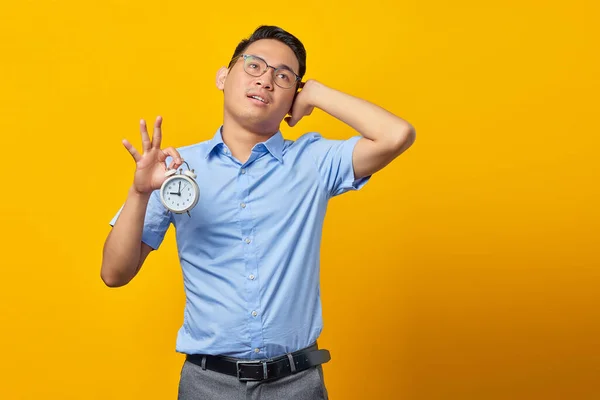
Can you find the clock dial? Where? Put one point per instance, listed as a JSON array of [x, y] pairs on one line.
[[179, 194]]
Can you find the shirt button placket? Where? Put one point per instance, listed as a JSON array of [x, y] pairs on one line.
[[248, 230]]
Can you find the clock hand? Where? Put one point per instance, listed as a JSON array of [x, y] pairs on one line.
[[180, 188], [178, 194]]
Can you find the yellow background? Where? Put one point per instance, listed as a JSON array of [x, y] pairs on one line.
[[467, 269]]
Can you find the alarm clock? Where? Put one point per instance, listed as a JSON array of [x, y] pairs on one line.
[[179, 193]]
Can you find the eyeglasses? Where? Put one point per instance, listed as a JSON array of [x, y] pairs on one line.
[[256, 66]]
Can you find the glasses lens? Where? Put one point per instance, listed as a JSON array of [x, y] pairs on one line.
[[254, 66], [285, 78]]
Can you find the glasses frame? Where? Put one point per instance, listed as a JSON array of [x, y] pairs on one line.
[[245, 57]]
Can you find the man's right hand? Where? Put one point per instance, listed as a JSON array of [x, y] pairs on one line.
[[150, 166]]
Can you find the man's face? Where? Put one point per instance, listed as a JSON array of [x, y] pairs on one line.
[[239, 87]]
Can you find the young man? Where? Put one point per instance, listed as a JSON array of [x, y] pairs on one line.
[[250, 249]]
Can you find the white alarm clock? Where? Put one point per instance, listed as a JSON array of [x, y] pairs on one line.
[[179, 193]]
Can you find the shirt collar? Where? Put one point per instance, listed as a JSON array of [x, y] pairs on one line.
[[216, 140], [274, 144]]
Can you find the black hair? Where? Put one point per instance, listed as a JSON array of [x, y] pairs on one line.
[[273, 32]]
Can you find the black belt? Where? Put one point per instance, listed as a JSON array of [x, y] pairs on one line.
[[259, 370]]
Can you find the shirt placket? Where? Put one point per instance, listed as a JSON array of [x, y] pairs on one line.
[[248, 236]]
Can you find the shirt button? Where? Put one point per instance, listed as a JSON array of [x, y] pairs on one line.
[[243, 205], [257, 350], [247, 240], [243, 171], [251, 277], [254, 313]]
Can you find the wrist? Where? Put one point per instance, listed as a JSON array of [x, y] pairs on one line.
[[134, 193], [315, 91]]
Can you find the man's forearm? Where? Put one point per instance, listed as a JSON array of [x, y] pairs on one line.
[[368, 119], [121, 253]]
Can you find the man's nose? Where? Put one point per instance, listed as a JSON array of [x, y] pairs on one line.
[[266, 79]]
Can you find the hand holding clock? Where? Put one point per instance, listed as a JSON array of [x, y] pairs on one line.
[[150, 166]]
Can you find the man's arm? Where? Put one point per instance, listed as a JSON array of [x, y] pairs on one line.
[[385, 135], [124, 252]]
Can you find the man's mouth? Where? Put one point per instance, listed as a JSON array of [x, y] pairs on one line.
[[259, 98]]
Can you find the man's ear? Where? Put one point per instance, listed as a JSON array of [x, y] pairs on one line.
[[221, 76]]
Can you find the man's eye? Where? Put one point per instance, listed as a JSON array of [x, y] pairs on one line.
[[253, 65], [284, 77]]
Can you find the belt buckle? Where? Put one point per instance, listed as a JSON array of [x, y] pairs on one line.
[[238, 370]]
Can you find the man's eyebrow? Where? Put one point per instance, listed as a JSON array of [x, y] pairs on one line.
[[284, 66]]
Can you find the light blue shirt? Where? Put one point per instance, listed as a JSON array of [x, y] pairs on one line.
[[250, 250]]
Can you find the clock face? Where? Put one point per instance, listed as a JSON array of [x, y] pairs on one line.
[[179, 194]]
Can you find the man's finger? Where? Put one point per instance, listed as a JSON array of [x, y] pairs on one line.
[[145, 137], [177, 160], [157, 134], [291, 121], [134, 153]]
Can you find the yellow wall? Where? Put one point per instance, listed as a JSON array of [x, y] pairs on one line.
[[468, 269]]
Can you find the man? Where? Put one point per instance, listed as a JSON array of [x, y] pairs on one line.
[[249, 250]]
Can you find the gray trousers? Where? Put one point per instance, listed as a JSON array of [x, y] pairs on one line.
[[198, 384]]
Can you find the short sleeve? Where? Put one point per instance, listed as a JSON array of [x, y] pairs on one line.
[[156, 221], [334, 162]]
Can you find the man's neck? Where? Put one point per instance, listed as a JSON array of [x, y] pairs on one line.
[[241, 140]]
